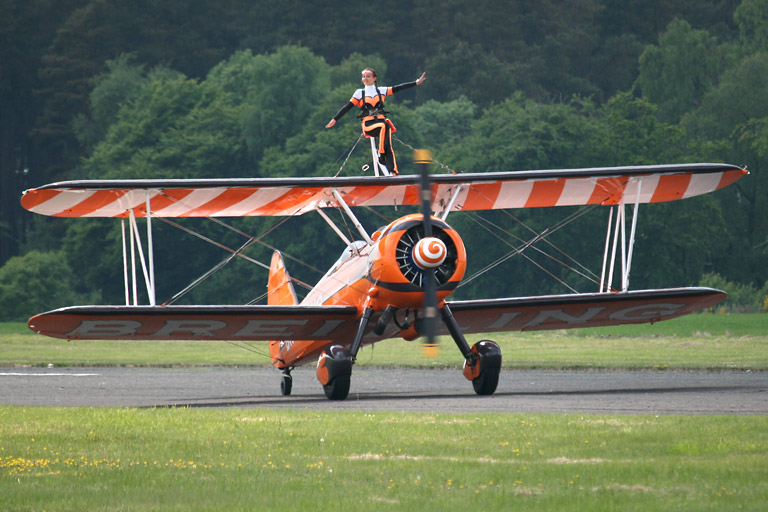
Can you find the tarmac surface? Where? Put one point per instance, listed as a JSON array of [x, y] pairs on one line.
[[406, 390]]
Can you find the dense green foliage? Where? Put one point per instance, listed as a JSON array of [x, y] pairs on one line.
[[203, 89]]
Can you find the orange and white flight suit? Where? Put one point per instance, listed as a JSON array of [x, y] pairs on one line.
[[375, 123]]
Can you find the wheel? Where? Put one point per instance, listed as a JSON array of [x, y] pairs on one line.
[[486, 383], [286, 384], [338, 388]]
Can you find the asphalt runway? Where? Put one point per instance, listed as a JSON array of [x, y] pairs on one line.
[[541, 391]]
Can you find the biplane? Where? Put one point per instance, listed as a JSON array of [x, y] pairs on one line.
[[393, 283]]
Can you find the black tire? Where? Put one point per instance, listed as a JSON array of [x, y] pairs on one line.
[[338, 388], [286, 385], [486, 383]]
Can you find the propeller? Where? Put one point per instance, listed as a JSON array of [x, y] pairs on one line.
[[428, 254]]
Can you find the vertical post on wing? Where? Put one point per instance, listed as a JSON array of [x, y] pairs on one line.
[[135, 235], [623, 242], [619, 210], [125, 263], [151, 249], [133, 258], [627, 246], [422, 157], [632, 235], [605, 251]]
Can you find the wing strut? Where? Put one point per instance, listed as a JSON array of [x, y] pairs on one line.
[[625, 282], [627, 248], [125, 263], [451, 202], [334, 226], [148, 271], [351, 215], [151, 250]]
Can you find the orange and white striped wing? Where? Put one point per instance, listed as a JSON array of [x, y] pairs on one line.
[[574, 187], [296, 196]]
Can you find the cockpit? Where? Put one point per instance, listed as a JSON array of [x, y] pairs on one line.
[[352, 249]]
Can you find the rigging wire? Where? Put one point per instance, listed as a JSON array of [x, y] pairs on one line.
[[258, 299], [433, 159], [562, 223], [538, 237], [349, 154], [587, 273], [210, 272], [244, 346], [513, 252]]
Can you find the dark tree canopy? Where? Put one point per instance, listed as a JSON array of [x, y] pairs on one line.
[[172, 88]]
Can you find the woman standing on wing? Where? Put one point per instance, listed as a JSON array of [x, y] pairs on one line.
[[375, 123]]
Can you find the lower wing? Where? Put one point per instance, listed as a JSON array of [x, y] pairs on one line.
[[581, 310], [252, 323], [339, 323]]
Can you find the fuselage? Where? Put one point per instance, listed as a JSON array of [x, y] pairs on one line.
[[381, 275]]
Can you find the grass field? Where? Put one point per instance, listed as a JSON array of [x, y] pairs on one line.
[[184, 459], [232, 459]]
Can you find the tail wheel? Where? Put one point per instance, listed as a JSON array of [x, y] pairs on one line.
[[408, 266], [338, 388]]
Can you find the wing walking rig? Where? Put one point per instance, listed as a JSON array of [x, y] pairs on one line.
[[410, 267]]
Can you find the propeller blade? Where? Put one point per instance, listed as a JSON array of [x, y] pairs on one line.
[[423, 158]]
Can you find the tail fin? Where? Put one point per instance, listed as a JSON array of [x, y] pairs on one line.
[[279, 292], [280, 287]]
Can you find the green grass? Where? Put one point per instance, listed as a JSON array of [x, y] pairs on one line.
[[705, 341], [190, 459], [186, 459]]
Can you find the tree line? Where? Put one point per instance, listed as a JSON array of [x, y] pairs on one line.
[[525, 86]]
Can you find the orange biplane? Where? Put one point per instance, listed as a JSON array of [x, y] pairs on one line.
[[393, 283]]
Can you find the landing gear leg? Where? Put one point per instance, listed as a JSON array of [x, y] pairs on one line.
[[482, 363], [456, 334], [334, 368]]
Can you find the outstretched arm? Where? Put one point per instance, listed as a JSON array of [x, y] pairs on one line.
[[408, 85], [340, 113]]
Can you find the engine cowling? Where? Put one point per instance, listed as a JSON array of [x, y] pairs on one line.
[[403, 253]]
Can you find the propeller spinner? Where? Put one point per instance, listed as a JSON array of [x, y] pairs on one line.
[[429, 253]]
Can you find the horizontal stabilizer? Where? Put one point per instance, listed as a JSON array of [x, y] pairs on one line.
[[295, 196]]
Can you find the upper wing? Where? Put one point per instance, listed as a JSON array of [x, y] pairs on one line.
[[581, 310], [295, 196], [339, 323]]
